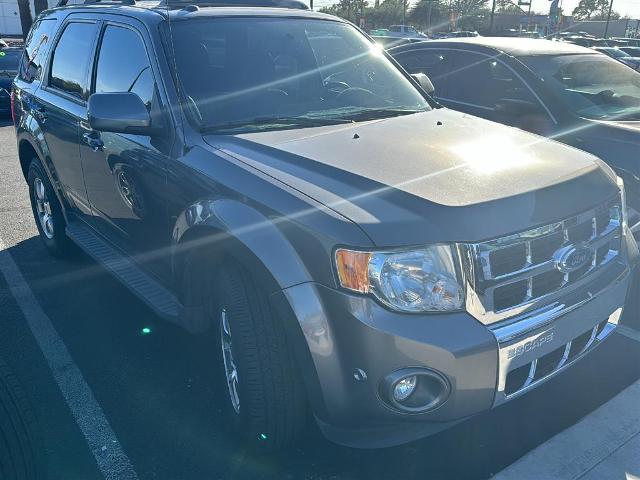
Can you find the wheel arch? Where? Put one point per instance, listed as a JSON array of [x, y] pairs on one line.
[[229, 230]]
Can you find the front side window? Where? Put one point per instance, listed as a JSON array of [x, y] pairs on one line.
[[590, 86], [70, 64], [38, 40], [433, 63], [484, 81], [123, 64], [268, 73]]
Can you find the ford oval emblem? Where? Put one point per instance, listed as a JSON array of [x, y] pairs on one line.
[[572, 258]]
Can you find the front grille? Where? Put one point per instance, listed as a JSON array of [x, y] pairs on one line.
[[513, 271], [522, 377]]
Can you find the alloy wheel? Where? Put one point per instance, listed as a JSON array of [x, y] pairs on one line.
[[43, 208], [230, 369]]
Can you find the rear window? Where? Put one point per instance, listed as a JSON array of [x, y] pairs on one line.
[[37, 44]]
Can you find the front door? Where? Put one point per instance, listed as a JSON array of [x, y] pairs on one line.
[[124, 173]]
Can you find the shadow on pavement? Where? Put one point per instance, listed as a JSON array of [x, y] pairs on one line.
[[156, 390]]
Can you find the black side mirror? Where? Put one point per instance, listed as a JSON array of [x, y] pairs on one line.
[[424, 82], [119, 113], [515, 107]]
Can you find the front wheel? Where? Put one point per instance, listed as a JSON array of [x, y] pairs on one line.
[[260, 385]]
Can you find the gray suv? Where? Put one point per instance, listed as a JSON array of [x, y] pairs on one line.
[[267, 176]]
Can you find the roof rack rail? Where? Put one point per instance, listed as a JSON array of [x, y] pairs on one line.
[[294, 4], [62, 3]]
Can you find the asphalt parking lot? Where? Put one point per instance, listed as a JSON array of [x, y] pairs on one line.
[[152, 383]]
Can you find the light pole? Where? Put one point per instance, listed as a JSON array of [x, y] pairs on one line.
[[606, 28], [404, 12]]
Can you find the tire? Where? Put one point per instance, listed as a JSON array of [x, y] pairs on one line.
[[19, 442], [272, 404], [54, 238]]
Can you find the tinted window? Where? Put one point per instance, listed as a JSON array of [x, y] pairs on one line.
[[36, 45], [123, 65], [592, 86], [71, 59], [433, 63], [483, 81]]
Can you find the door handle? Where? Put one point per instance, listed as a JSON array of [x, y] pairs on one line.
[[93, 140]]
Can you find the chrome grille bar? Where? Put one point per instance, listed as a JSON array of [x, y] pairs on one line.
[[509, 274]]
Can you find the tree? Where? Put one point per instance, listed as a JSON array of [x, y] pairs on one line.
[[40, 6], [593, 10], [25, 16]]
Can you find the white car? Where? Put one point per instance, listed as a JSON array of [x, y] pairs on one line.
[[405, 31]]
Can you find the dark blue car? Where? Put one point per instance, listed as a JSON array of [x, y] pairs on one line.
[[9, 59]]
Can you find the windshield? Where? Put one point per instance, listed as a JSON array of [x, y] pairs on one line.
[[9, 60], [250, 74], [612, 52], [591, 86]]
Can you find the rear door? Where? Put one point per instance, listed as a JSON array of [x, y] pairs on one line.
[[62, 102]]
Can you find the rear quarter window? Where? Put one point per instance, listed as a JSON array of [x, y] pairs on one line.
[[36, 47]]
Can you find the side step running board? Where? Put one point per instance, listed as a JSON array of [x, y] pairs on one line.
[[157, 297]]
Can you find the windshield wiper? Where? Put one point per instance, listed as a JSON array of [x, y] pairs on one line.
[[376, 113], [265, 122]]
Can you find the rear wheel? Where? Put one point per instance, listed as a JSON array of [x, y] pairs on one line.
[[47, 212], [261, 387]]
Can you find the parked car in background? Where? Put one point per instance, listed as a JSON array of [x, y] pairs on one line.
[[9, 60], [632, 42], [563, 91], [620, 55], [462, 34], [633, 51], [405, 31], [360, 257], [390, 42]]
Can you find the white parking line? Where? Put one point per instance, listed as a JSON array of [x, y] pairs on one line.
[[111, 459]]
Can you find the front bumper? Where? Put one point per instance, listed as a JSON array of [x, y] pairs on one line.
[[351, 343]]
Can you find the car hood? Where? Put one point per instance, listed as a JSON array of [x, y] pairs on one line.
[[435, 176]]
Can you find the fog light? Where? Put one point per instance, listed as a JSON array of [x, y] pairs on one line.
[[414, 389], [404, 388]]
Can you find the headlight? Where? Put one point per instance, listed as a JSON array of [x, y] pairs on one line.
[[422, 280], [623, 206]]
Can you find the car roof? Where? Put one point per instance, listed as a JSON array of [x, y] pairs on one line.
[[509, 45], [146, 8]]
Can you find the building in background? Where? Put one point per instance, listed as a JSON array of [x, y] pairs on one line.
[[10, 24]]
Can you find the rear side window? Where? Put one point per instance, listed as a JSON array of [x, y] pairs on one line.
[[36, 46], [123, 64], [70, 64]]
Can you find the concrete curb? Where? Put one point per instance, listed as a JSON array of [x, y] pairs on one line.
[[603, 445]]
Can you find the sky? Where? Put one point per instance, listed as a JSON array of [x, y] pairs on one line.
[[623, 7]]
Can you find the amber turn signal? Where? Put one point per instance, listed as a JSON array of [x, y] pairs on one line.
[[353, 269]]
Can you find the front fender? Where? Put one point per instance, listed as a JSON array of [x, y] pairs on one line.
[[227, 221]]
